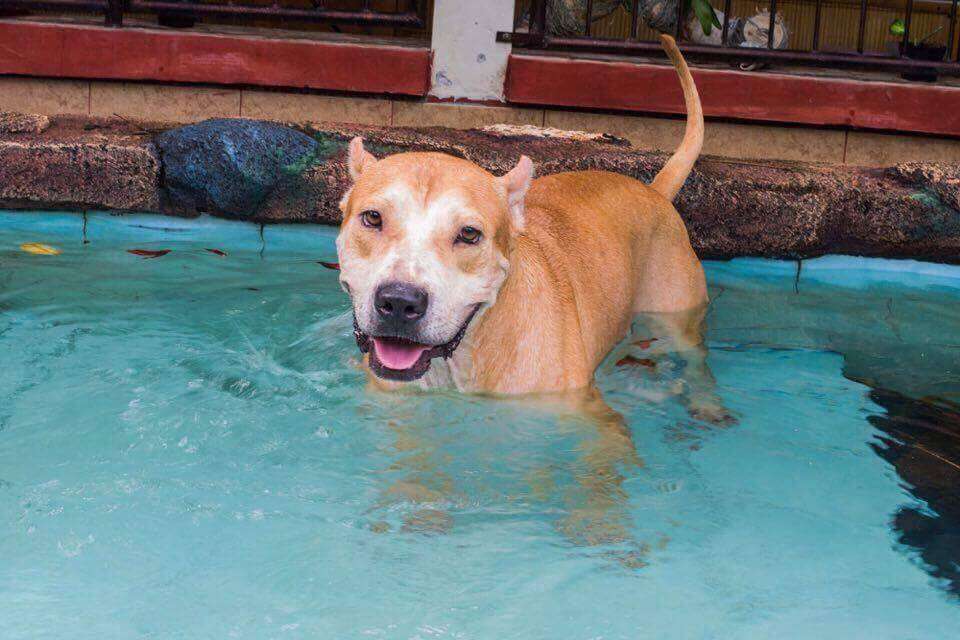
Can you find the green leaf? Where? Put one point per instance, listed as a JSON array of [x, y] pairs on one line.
[[897, 27], [705, 15]]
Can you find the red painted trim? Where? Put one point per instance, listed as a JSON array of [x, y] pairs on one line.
[[71, 51], [769, 97]]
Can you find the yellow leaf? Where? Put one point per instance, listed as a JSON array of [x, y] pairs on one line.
[[40, 249]]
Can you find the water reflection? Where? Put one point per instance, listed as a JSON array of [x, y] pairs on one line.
[[921, 439]]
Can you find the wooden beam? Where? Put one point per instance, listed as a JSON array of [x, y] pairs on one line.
[[759, 96], [74, 51]]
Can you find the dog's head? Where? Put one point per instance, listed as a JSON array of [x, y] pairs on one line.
[[424, 246]]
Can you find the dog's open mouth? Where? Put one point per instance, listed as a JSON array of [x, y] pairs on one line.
[[393, 358]]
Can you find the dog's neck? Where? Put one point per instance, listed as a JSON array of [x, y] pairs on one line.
[[508, 349], [456, 372], [505, 348]]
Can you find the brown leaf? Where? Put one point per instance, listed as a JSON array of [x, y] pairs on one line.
[[330, 265], [218, 252], [149, 253], [630, 361]]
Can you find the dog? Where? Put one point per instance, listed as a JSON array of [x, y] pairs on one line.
[[516, 285]]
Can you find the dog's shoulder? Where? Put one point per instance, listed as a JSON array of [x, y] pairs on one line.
[[592, 199]]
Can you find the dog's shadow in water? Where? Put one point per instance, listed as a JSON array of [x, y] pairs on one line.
[[568, 462], [582, 492]]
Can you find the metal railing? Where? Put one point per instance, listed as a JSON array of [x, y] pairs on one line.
[[114, 10], [538, 37]]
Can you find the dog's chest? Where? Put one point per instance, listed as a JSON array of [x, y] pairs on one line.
[[445, 374]]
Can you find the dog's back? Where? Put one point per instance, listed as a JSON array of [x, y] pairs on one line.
[[620, 243]]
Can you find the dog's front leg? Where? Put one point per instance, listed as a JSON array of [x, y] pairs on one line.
[[597, 512], [416, 487]]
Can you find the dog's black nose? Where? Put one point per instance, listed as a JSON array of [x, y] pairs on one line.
[[400, 303]]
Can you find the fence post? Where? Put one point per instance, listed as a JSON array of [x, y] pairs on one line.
[[468, 62], [114, 13]]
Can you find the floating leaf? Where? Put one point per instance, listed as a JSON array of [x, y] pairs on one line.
[[40, 249], [330, 265], [149, 253], [218, 252], [630, 361]]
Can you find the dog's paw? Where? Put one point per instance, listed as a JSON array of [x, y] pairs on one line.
[[428, 522], [712, 412]]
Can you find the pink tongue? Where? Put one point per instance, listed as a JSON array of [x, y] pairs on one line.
[[398, 355]]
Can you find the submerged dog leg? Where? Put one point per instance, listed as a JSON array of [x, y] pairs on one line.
[[421, 488], [596, 501], [681, 334]]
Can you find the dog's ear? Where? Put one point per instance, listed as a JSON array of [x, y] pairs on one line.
[[516, 182], [358, 158]]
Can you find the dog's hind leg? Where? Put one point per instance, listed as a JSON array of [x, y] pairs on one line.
[[680, 334]]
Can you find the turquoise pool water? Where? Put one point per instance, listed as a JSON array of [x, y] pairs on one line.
[[187, 450]]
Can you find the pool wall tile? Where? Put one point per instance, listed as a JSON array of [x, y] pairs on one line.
[[841, 271], [43, 226], [317, 241], [856, 272], [743, 270], [146, 228]]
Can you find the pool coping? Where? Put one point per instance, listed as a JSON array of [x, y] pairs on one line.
[[732, 208]]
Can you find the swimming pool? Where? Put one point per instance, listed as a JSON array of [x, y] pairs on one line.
[[187, 450]]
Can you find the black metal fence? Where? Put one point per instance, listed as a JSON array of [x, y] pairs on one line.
[[412, 16], [539, 36]]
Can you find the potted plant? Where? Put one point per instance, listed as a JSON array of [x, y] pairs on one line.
[[919, 49], [705, 13]]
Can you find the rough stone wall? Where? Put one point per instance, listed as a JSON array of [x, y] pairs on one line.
[[264, 172], [71, 164]]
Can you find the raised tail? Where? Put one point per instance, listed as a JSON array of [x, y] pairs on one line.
[[668, 182]]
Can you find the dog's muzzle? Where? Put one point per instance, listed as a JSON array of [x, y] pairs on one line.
[[393, 358]]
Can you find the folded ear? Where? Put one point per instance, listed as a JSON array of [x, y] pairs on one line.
[[358, 158], [516, 182]]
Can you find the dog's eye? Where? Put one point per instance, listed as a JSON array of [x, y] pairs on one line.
[[371, 219], [469, 235]]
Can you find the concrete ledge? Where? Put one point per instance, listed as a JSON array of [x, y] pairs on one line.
[[74, 163], [732, 208]]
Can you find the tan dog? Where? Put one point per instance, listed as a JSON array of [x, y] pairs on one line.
[[513, 285]]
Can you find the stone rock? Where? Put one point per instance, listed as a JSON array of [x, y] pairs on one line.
[[938, 181], [731, 208], [79, 175], [270, 173], [313, 194], [22, 123], [228, 167]]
